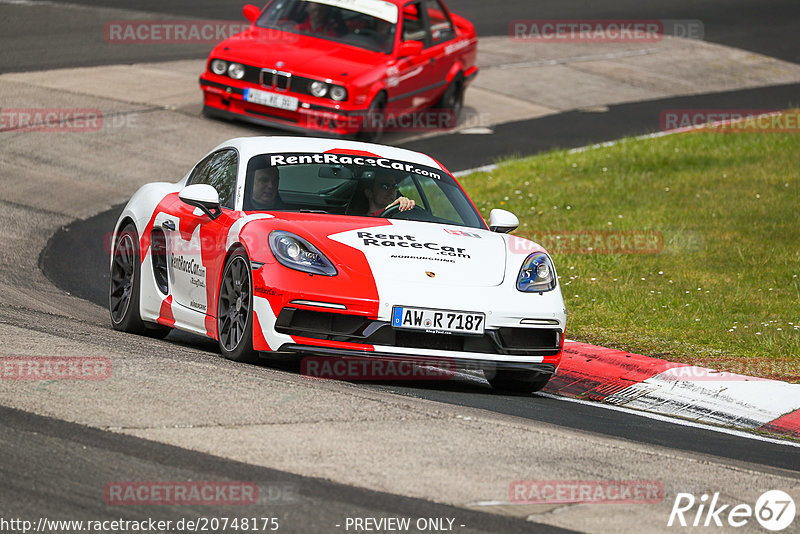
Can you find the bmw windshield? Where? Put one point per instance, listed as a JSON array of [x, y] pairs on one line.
[[366, 24]]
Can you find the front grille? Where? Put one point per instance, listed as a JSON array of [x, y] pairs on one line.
[[275, 80], [335, 326]]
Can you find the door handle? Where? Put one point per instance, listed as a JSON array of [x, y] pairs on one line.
[[168, 225]]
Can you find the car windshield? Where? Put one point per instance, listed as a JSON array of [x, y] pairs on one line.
[[354, 185], [368, 24]]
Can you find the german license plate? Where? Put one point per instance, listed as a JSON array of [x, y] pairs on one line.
[[265, 98], [438, 321]]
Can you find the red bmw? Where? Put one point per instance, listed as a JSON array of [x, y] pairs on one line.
[[344, 67]]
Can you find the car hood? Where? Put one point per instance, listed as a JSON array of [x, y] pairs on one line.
[[298, 54], [424, 253]]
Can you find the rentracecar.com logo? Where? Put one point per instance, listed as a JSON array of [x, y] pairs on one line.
[[774, 510]]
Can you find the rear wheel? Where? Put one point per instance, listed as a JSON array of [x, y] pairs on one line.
[[453, 98], [124, 290], [235, 310], [517, 381]]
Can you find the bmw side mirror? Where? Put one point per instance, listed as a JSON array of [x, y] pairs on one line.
[[251, 12], [502, 221], [202, 196], [410, 48]]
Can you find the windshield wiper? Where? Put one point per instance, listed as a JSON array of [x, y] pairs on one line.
[[306, 210]]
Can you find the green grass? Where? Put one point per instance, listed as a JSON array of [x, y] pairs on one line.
[[725, 288]]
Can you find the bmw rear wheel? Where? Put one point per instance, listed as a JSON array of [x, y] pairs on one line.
[[235, 310]]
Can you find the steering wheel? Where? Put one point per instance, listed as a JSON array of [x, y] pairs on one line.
[[393, 212]]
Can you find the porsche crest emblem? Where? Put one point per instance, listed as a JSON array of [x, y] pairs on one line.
[[430, 274]]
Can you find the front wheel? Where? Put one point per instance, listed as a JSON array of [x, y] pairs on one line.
[[517, 381], [374, 121], [235, 310]]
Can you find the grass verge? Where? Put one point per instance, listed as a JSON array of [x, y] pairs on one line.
[[710, 274]]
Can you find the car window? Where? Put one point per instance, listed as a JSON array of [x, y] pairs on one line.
[[344, 185], [413, 24], [439, 20], [219, 171], [365, 24]]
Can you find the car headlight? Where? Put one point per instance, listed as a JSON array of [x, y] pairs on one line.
[[338, 93], [219, 67], [537, 274], [296, 253], [236, 71], [318, 89]]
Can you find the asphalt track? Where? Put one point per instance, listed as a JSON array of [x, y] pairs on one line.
[[79, 253], [40, 470], [764, 27], [42, 456]]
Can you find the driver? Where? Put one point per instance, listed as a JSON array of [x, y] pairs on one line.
[[382, 195], [265, 189]]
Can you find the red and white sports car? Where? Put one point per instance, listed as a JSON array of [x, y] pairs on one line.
[[343, 67], [341, 248]]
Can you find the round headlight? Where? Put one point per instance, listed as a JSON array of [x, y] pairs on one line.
[[219, 67], [319, 89], [236, 71], [338, 93]]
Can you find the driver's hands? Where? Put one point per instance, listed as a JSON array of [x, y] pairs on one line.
[[405, 204]]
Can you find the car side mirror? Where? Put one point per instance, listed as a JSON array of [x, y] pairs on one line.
[[251, 12], [502, 221], [410, 48], [202, 196]]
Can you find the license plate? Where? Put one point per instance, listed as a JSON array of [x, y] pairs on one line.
[[438, 321], [265, 98]]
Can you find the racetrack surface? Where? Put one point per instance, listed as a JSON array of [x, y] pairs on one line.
[[41, 452], [174, 409], [79, 253], [74, 28]]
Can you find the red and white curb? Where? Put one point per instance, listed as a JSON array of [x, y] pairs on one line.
[[659, 386]]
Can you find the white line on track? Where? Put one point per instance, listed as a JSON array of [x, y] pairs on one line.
[[675, 420]]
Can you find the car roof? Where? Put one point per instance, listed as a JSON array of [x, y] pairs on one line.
[[252, 146]]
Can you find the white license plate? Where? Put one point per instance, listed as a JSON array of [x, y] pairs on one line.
[[265, 98], [438, 321]]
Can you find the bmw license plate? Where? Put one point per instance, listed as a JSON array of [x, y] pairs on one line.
[[265, 98], [438, 321]]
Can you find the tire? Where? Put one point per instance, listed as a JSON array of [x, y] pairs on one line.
[[376, 114], [453, 98], [517, 381], [235, 310], [124, 288]]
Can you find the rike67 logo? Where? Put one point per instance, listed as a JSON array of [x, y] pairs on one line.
[[774, 510]]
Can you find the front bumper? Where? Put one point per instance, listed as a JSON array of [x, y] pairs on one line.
[[227, 101]]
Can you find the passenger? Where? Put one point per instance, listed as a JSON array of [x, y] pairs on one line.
[[321, 20]]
